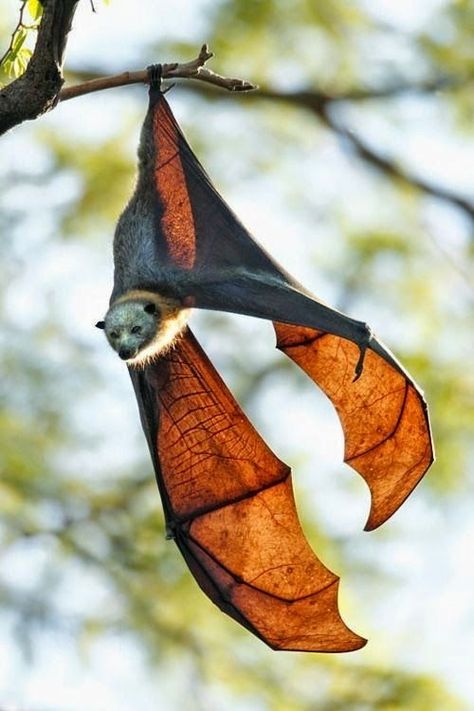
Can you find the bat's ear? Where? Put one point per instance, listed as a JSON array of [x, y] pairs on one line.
[[100, 324], [150, 308]]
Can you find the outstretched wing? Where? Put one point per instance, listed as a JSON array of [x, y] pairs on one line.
[[229, 504], [383, 413]]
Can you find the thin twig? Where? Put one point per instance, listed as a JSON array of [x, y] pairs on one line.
[[34, 26], [194, 69], [311, 98], [12, 38]]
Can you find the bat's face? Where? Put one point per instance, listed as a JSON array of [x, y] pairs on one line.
[[130, 327], [142, 325]]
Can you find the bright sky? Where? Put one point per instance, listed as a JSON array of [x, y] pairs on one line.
[[434, 568]]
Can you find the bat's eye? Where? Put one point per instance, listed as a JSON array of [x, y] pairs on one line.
[[150, 308], [114, 334], [136, 329]]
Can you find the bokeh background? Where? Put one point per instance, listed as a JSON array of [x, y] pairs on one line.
[[367, 203]]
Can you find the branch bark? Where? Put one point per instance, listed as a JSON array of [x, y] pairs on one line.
[[36, 91]]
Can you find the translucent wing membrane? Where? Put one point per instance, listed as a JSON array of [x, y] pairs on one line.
[[383, 414], [199, 229], [229, 504]]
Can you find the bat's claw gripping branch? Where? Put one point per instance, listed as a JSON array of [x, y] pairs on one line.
[[155, 73]]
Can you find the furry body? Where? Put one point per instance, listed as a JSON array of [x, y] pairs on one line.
[[140, 279]]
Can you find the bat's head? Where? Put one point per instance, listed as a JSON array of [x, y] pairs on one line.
[[131, 326], [141, 325]]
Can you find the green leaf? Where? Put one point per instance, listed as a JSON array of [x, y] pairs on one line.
[[18, 40], [35, 9], [23, 57]]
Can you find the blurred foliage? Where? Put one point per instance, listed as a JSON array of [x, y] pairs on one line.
[[69, 511], [16, 57], [99, 199]]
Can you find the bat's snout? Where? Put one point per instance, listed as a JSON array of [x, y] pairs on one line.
[[127, 353]]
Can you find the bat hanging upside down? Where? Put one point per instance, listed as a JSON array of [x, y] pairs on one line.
[[227, 498]]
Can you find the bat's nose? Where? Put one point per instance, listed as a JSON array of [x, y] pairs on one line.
[[126, 353]]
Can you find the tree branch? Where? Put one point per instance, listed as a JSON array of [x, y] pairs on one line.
[[93, 80], [428, 86], [320, 104], [36, 90], [395, 171], [194, 69]]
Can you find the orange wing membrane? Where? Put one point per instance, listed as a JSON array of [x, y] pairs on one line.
[[177, 218], [229, 505], [383, 414]]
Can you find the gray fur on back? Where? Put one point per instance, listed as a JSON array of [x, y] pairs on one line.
[[136, 262]]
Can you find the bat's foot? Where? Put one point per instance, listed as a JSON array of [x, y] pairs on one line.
[[155, 73], [363, 349]]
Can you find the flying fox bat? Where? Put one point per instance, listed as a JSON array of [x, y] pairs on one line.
[[227, 499]]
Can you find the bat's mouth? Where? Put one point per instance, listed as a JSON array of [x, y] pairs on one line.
[[127, 353]]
